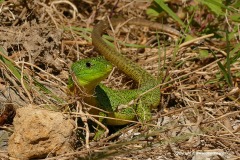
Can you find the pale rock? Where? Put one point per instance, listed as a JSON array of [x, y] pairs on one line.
[[40, 133]]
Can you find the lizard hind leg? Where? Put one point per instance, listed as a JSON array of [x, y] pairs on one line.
[[143, 112], [101, 130]]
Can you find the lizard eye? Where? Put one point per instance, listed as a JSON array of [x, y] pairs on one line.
[[88, 65]]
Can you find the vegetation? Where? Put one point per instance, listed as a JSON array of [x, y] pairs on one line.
[[199, 110]]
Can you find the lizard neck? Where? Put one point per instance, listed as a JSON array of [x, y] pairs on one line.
[[88, 89], [89, 96]]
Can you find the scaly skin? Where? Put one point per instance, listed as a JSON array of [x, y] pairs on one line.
[[122, 104]]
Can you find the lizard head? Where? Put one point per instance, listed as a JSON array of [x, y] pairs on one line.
[[88, 73]]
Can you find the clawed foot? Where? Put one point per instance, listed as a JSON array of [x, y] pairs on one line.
[[101, 133]]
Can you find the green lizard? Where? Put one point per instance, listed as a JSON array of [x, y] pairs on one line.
[[121, 104]]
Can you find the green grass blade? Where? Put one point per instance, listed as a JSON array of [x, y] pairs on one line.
[[215, 3], [228, 65], [9, 64], [109, 38], [169, 11], [224, 71]]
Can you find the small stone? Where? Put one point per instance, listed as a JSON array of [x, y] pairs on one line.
[[39, 133]]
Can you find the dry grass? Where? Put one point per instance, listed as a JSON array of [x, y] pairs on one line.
[[199, 111]]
